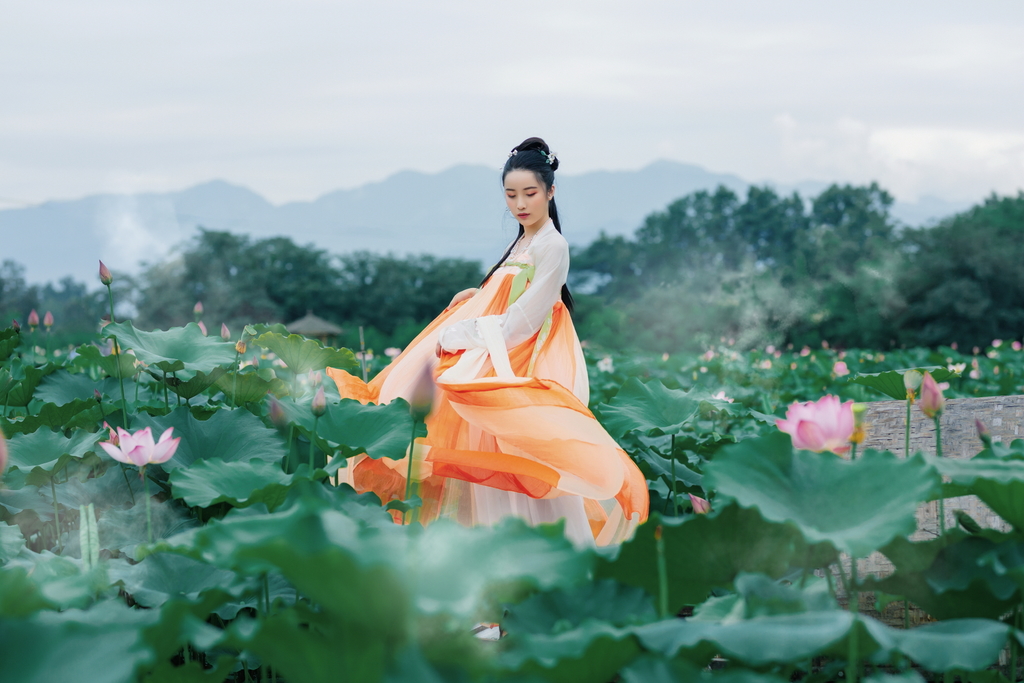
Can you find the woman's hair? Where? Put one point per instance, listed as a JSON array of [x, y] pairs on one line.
[[533, 154]]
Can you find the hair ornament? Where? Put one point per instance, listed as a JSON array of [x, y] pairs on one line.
[[513, 153], [550, 157]]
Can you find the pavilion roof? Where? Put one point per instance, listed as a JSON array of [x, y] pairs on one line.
[[312, 326]]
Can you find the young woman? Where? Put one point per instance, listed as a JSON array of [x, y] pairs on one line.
[[510, 432]]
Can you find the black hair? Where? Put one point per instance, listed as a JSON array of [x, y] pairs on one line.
[[533, 154]]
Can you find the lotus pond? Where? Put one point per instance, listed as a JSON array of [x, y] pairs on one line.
[[239, 559]]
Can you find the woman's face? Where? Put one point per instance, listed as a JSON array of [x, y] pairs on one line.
[[527, 198]]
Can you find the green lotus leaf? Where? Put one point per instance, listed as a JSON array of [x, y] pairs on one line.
[[19, 596], [891, 384], [189, 389], [857, 506], [79, 413], [250, 386], [126, 363], [758, 595], [104, 643], [35, 458], [999, 482], [241, 484], [302, 355], [179, 348], [9, 341], [21, 391], [12, 542], [591, 652], [651, 409], [380, 431], [163, 576], [231, 435], [705, 552], [602, 600], [63, 387]]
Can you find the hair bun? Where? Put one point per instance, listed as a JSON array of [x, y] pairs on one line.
[[537, 145]]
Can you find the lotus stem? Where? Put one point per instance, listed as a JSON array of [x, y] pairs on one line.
[[117, 364], [409, 487], [853, 451], [938, 454], [672, 455], [56, 514], [167, 402], [659, 548], [124, 471], [853, 604], [906, 431], [362, 352], [1014, 653], [312, 440], [149, 508]]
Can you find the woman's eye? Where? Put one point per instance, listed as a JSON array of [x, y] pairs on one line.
[[532, 195]]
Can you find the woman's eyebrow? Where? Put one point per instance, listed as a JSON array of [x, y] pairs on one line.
[[531, 187]]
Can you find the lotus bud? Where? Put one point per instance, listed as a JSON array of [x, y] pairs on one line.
[[239, 347], [17, 326], [932, 401], [33, 320], [319, 405], [316, 377], [105, 275], [859, 432], [202, 327], [197, 310], [700, 506], [911, 382], [276, 413], [225, 333], [48, 320], [421, 399], [657, 533], [97, 395], [983, 433]]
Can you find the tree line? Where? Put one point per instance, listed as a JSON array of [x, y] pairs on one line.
[[760, 268]]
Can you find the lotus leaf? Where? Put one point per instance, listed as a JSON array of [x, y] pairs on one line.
[[891, 384], [856, 506], [651, 409], [231, 435], [302, 355], [179, 348], [240, 483]]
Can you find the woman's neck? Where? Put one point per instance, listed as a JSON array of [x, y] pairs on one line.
[[530, 230]]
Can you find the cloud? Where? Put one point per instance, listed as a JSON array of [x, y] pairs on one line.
[[910, 161]]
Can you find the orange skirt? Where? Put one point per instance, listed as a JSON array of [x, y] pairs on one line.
[[525, 445]]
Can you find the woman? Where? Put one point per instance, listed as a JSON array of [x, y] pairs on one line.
[[510, 433]]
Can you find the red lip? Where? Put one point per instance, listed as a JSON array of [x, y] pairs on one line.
[[522, 215]]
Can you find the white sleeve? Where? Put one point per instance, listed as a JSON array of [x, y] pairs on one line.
[[524, 317]]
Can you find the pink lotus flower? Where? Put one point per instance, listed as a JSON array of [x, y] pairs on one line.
[[700, 506], [225, 333], [825, 425], [198, 308], [932, 401], [105, 275], [138, 449], [202, 327], [33, 319], [48, 320], [840, 369]]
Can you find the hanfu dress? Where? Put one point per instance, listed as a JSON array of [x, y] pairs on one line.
[[510, 432]]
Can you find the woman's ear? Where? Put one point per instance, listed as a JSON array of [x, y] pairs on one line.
[[551, 193]]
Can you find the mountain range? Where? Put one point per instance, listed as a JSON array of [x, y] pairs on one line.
[[455, 212]]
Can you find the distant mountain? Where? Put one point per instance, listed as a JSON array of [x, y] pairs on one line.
[[457, 212]]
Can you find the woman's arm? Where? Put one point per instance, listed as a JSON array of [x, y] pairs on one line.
[[462, 296], [524, 317]]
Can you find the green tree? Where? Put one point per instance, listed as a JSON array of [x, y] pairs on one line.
[[963, 280]]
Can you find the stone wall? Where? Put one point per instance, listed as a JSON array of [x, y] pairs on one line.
[[1003, 415]]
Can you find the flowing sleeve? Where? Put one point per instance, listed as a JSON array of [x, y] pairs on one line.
[[524, 317]]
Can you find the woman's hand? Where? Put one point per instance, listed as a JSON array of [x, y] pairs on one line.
[[462, 296]]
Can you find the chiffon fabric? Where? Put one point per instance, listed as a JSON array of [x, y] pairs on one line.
[[510, 432]]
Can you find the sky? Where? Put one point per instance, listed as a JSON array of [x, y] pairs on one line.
[[295, 99]]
